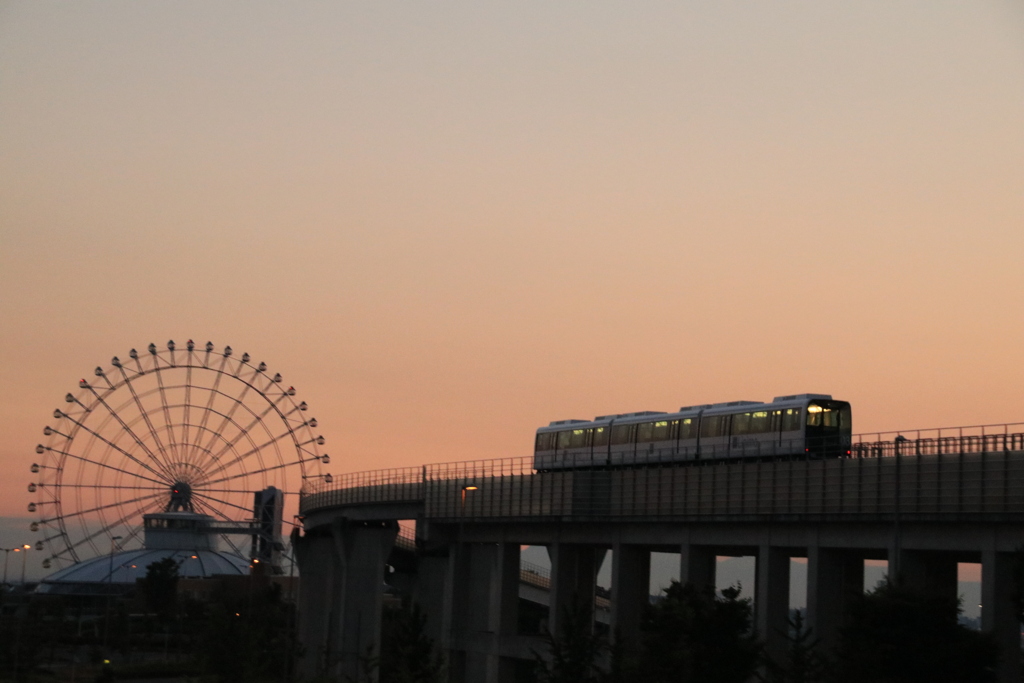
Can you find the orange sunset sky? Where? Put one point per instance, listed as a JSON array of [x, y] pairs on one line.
[[449, 223]]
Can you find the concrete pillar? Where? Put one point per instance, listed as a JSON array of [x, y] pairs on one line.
[[355, 555], [927, 573], [930, 573], [697, 565], [631, 580], [834, 578], [491, 610], [771, 599], [573, 580], [433, 591], [318, 615], [997, 611]]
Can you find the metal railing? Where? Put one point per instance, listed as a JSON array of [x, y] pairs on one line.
[[961, 471], [397, 484], [535, 574]]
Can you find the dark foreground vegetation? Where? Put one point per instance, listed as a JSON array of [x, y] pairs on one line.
[[894, 635], [243, 631]]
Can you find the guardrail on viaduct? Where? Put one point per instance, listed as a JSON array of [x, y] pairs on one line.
[[961, 472]]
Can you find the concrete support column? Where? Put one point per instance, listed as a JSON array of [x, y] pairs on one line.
[[491, 611], [433, 591], [930, 573], [631, 580], [834, 578], [355, 556], [771, 599], [573, 580], [316, 625], [696, 565], [997, 611]]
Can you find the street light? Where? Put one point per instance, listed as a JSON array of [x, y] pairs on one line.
[[110, 592], [113, 543], [7, 554], [24, 557], [464, 489]]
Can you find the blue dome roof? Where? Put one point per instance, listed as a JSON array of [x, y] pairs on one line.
[[95, 576]]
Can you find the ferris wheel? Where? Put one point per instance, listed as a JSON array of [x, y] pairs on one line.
[[191, 429]]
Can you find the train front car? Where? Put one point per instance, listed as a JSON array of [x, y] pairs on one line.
[[828, 429]]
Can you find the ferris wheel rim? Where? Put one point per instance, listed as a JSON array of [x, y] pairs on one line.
[[150, 458]]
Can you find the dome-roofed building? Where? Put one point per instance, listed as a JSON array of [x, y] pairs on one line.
[[187, 537]]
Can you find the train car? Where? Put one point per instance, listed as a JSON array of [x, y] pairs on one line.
[[811, 425]]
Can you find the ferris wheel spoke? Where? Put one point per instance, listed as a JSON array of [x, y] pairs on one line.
[[47, 539], [250, 473], [168, 422], [112, 486], [272, 405], [88, 539], [186, 409], [226, 419], [217, 513], [94, 433], [149, 424], [223, 466], [104, 465], [225, 502], [201, 490], [209, 406], [140, 527], [79, 513]]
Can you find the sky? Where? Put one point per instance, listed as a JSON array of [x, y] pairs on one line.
[[449, 223]]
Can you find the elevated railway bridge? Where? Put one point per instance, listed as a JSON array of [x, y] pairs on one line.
[[924, 501]]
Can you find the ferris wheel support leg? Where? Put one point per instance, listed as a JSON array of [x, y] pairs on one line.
[[342, 567]]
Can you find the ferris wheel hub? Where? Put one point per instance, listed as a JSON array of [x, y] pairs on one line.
[[181, 497]]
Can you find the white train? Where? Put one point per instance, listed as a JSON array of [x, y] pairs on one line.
[[808, 425]]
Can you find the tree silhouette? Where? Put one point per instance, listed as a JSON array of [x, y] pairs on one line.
[[576, 652], [160, 587], [803, 663], [695, 635], [407, 654], [898, 635]]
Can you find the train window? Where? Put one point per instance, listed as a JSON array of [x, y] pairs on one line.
[[827, 417], [622, 434], [645, 432], [580, 438], [662, 431], [713, 426], [751, 423], [814, 415], [546, 442], [688, 428], [563, 439], [741, 423], [776, 419], [601, 436], [791, 420]]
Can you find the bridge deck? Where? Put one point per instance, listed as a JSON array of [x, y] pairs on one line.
[[963, 478]]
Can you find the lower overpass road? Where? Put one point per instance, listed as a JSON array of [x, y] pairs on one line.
[[922, 500]]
